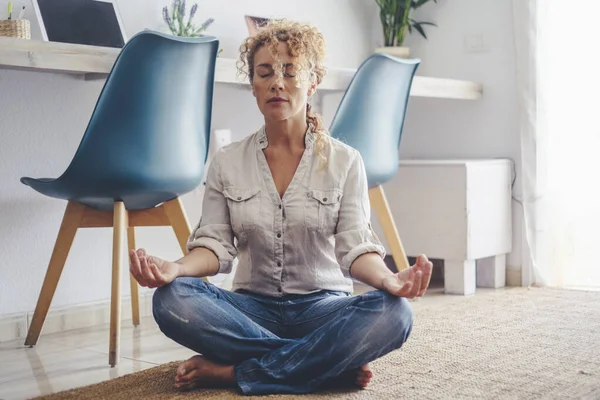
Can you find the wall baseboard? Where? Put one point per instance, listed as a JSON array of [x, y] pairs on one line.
[[513, 277], [15, 326]]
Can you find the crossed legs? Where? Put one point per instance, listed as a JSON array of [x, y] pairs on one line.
[[246, 341]]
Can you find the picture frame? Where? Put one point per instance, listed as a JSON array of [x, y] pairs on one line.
[[41, 17]]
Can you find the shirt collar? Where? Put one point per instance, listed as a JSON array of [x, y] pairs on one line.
[[263, 142]]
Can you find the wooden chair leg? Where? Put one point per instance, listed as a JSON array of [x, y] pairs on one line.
[[382, 209], [68, 228], [133, 285], [120, 224], [179, 222]]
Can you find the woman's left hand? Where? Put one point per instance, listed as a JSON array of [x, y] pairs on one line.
[[411, 282]]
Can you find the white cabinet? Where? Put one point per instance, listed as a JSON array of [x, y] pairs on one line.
[[458, 211]]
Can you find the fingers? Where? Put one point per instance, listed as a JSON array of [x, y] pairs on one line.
[[159, 278], [411, 288], [144, 269], [426, 278], [135, 267], [147, 273], [426, 267], [151, 273], [416, 288]]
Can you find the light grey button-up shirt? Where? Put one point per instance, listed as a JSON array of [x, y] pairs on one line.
[[300, 243]]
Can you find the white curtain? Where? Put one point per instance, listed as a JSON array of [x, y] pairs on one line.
[[559, 82]]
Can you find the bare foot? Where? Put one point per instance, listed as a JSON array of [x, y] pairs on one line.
[[200, 372], [363, 376], [360, 377]]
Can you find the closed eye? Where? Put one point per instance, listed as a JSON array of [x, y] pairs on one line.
[[265, 71], [287, 75], [290, 71]]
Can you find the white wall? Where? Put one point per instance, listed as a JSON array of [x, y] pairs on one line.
[[44, 115], [486, 128]]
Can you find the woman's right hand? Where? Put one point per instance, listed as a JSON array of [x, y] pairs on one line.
[[151, 271]]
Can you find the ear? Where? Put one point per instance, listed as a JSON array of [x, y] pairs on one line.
[[312, 89]]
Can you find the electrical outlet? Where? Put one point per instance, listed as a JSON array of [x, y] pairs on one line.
[[475, 43]]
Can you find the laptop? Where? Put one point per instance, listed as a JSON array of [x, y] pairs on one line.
[[90, 22]]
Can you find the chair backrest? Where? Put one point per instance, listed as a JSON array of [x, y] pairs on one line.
[[151, 124], [371, 115]]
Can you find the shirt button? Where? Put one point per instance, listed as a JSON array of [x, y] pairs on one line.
[[324, 198], [240, 197], [279, 289], [279, 235], [279, 263], [280, 206]]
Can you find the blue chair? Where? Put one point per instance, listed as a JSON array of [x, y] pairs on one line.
[[370, 118], [145, 146]]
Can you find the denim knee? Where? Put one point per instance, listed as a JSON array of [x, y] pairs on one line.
[[171, 296]]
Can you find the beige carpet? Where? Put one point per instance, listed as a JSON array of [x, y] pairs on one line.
[[508, 344]]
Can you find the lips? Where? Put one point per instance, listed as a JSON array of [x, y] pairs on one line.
[[276, 99]]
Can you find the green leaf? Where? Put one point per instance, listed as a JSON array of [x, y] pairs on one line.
[[419, 29], [418, 3], [425, 23], [396, 21]]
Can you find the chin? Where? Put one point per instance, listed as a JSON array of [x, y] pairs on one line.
[[277, 116]]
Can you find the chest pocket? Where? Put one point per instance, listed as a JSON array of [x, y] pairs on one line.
[[321, 210], [244, 208]]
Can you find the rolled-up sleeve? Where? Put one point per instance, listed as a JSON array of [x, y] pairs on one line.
[[354, 235], [213, 231]]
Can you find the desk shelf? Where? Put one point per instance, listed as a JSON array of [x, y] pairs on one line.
[[95, 62]]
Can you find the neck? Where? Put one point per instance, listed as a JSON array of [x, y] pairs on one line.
[[287, 133]]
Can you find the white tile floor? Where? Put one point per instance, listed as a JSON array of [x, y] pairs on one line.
[[76, 358], [66, 360]]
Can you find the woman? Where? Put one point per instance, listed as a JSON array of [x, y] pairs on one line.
[[297, 203]]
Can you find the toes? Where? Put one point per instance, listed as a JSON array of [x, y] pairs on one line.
[[363, 378], [186, 371], [184, 386], [362, 383]]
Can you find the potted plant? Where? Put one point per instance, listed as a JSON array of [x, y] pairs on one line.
[[180, 24], [397, 23]]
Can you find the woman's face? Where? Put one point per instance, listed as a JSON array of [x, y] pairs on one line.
[[277, 96]]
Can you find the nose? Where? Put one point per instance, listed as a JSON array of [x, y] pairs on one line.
[[276, 83]]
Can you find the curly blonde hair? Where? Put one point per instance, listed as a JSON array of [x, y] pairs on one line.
[[307, 46]]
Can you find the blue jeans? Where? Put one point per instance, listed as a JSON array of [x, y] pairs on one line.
[[292, 344]]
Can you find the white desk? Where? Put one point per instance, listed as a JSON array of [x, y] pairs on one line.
[[458, 211], [96, 62]]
